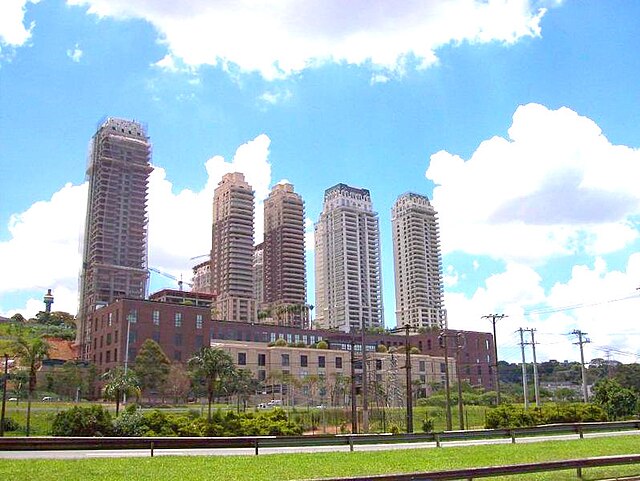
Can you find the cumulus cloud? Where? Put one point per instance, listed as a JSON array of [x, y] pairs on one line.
[[277, 39], [13, 31], [44, 246], [75, 54], [554, 187], [602, 303]]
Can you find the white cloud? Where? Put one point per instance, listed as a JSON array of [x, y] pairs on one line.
[[281, 38], [75, 54], [273, 97], [44, 249], [555, 187], [601, 303], [13, 32]]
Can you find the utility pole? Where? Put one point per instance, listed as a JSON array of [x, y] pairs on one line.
[[582, 340], [524, 370], [354, 411], [4, 392], [407, 346], [493, 318], [365, 384], [536, 381], [461, 343], [443, 344]]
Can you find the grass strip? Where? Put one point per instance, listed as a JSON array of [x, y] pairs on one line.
[[318, 465]]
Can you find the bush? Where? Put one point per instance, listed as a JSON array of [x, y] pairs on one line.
[[129, 423], [82, 421], [515, 416], [427, 425], [11, 425]]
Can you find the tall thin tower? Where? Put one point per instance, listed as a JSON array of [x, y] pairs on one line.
[[285, 288], [347, 261], [232, 250], [114, 259], [417, 263]]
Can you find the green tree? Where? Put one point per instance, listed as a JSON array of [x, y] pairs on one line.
[[18, 318], [152, 366], [243, 386], [68, 380], [31, 352], [117, 383], [211, 366], [616, 400], [628, 375]]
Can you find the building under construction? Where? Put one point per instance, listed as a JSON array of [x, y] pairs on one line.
[[114, 261]]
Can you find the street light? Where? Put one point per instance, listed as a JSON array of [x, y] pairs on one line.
[[4, 393], [131, 317]]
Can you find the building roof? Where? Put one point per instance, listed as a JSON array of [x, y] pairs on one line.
[[62, 349]]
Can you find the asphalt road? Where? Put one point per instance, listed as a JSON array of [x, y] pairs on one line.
[[84, 454]]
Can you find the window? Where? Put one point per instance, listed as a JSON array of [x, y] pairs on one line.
[[108, 339], [178, 319], [285, 359], [338, 363], [110, 319], [378, 364], [198, 321], [423, 366], [304, 360], [321, 361], [177, 355], [262, 359], [199, 341], [115, 355], [262, 375], [115, 337], [155, 316], [133, 337], [132, 317], [108, 356], [443, 368], [177, 340], [156, 336], [242, 358]]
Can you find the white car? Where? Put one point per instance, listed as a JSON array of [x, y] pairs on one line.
[[13, 399], [47, 399]]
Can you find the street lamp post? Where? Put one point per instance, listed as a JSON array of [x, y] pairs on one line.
[[130, 318], [447, 388], [409, 393]]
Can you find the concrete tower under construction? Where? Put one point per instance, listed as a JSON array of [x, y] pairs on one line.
[[417, 263], [285, 288], [114, 260], [347, 269], [232, 250]]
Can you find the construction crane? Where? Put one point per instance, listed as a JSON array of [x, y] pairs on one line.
[[179, 281]]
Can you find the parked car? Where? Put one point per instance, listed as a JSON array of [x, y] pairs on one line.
[[13, 399], [47, 399]]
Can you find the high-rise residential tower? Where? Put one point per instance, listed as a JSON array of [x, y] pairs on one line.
[[347, 261], [417, 263], [114, 259], [285, 288], [232, 250]]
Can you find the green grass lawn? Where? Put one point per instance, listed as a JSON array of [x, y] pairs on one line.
[[339, 464]]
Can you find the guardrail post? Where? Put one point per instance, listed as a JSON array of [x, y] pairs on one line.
[[151, 448], [255, 445], [350, 444], [513, 436], [579, 427], [579, 473], [437, 436]]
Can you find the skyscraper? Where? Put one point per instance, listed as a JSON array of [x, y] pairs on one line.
[[232, 250], [114, 259], [285, 288], [417, 263], [347, 261]]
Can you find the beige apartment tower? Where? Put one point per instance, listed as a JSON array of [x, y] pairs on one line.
[[347, 262], [232, 250], [114, 256], [417, 263], [284, 271]]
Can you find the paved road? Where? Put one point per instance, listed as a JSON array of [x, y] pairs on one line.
[[80, 454]]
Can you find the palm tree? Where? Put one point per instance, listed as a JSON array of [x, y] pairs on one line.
[[118, 383], [211, 366], [31, 352]]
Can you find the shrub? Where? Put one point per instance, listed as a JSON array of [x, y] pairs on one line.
[[82, 421], [129, 423], [427, 425], [514, 416], [11, 425]]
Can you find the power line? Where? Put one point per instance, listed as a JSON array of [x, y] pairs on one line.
[[551, 310]]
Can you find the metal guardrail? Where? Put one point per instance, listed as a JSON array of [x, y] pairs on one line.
[[510, 469], [257, 442]]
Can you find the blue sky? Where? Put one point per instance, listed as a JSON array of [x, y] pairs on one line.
[[517, 118]]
